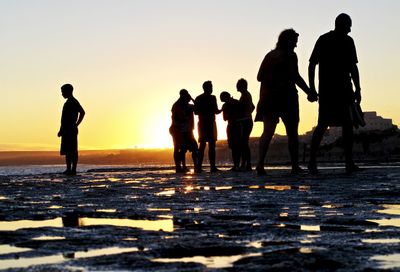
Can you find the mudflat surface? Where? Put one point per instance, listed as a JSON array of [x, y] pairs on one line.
[[156, 220]]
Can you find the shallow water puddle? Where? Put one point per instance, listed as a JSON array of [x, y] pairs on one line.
[[387, 261], [210, 262], [156, 225], [59, 258]]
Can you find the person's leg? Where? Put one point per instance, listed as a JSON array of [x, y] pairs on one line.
[[347, 133], [68, 163], [211, 156], [315, 143], [200, 156], [74, 160], [236, 158], [246, 154], [265, 139], [177, 159], [293, 144]]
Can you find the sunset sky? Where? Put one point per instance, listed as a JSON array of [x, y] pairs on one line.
[[128, 60]]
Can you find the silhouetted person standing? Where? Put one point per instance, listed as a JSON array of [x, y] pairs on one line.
[[72, 116], [230, 112], [245, 119], [279, 76], [182, 131], [335, 53], [205, 106]]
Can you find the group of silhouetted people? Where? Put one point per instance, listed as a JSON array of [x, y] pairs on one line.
[[336, 57], [236, 112]]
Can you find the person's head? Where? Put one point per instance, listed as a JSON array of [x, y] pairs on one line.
[[184, 95], [241, 85], [207, 87], [224, 96], [343, 23], [66, 90], [287, 40]]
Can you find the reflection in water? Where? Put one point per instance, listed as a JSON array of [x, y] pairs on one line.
[[169, 192], [393, 222], [310, 227], [381, 241], [55, 207], [388, 261], [278, 187], [210, 262], [7, 249], [59, 258], [159, 209], [393, 209], [48, 238], [107, 210], [3, 198], [223, 188]]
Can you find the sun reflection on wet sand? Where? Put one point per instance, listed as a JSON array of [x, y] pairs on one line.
[[381, 241], [21, 224], [210, 262], [278, 187], [169, 192], [391, 261], [393, 209], [48, 238], [156, 225], [7, 249]]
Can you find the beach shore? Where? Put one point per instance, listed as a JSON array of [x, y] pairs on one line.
[[151, 219]]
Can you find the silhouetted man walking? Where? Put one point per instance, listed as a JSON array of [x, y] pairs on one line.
[[72, 116], [205, 106], [335, 53]]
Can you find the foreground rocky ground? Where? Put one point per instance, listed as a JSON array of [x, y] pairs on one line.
[[155, 220]]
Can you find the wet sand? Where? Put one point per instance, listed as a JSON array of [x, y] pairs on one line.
[[156, 220]]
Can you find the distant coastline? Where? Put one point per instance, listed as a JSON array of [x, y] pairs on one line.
[[373, 146]]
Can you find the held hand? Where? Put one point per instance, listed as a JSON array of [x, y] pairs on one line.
[[312, 96], [59, 134]]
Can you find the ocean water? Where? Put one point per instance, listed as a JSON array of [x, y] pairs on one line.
[[57, 168]]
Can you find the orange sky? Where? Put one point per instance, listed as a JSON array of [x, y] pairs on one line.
[[128, 60]]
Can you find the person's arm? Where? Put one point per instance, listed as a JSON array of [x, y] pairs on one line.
[[311, 80], [81, 116], [355, 75]]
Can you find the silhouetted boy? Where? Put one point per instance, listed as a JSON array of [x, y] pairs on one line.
[[72, 116], [279, 76], [246, 123], [182, 131], [230, 111], [205, 106], [335, 53]]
